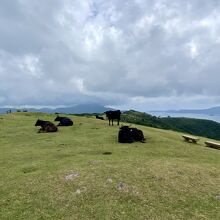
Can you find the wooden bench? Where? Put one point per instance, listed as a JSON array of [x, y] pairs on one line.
[[190, 138], [212, 144]]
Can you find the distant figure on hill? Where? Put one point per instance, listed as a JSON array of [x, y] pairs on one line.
[[99, 117], [127, 134], [46, 126], [8, 111], [64, 121], [111, 115]]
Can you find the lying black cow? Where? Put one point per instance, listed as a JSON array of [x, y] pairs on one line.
[[111, 115], [64, 121], [127, 134], [99, 117], [46, 126]]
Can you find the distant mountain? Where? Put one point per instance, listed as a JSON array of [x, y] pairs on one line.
[[83, 108], [77, 109], [208, 111]]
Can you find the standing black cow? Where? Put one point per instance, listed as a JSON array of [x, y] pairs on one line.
[[127, 134], [64, 121], [46, 126], [111, 115]]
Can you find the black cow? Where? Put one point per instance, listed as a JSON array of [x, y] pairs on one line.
[[99, 117], [111, 115], [46, 126], [127, 134], [64, 121]]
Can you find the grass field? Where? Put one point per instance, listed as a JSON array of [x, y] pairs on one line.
[[65, 175]]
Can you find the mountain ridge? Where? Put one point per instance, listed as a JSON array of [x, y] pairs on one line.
[[210, 111], [77, 109]]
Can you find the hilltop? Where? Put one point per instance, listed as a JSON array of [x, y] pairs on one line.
[[201, 127], [65, 175]]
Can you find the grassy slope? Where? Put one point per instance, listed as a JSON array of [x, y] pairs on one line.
[[201, 127], [165, 178]]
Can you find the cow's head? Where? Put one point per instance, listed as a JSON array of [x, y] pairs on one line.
[[38, 122], [58, 118]]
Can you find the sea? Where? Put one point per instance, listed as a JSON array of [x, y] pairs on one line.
[[186, 115]]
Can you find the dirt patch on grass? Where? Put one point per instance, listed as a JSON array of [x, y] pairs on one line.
[[71, 176]]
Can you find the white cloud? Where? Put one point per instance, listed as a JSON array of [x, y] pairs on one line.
[[114, 52]]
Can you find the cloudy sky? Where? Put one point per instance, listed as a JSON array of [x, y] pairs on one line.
[[140, 54]]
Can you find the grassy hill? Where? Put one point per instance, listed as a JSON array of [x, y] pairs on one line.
[[65, 175], [201, 127]]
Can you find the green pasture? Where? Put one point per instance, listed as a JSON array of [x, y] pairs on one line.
[[65, 175]]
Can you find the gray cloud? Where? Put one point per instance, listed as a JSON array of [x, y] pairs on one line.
[[136, 54]]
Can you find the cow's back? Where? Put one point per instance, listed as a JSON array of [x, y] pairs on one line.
[[66, 122]]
